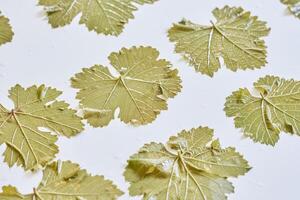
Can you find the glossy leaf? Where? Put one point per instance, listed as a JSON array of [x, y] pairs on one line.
[[235, 37], [141, 89], [27, 128], [274, 106], [189, 166], [68, 182], [6, 33], [103, 16]]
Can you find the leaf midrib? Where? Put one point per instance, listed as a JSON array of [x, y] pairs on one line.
[[279, 109], [218, 29]]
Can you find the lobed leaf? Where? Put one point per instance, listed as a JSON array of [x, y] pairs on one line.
[[27, 128], [274, 106], [65, 180], [141, 90], [235, 37], [103, 16], [189, 166]]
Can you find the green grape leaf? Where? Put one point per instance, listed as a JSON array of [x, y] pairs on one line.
[[190, 166], [272, 107], [103, 16], [26, 129], [6, 33], [65, 180], [235, 37], [293, 6], [140, 91]]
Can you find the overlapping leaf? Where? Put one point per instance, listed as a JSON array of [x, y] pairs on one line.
[[141, 90], [68, 182], [103, 16], [236, 37], [6, 33], [293, 6], [274, 106], [190, 166], [26, 129]]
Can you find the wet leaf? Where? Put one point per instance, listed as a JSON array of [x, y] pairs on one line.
[[65, 180], [141, 89], [6, 33], [103, 16], [273, 107], [27, 129], [189, 166], [235, 37]]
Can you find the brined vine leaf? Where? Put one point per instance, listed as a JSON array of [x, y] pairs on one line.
[[65, 180], [235, 37], [273, 107], [27, 128], [189, 166], [140, 91], [293, 6], [6, 32], [103, 16]]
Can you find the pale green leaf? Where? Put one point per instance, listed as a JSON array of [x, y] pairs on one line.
[[66, 181], [293, 6], [190, 166], [6, 33], [103, 16], [235, 37], [272, 107], [140, 91], [26, 129]]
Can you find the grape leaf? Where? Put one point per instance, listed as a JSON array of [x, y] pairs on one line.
[[236, 37], [273, 107], [103, 16], [21, 128], [293, 6], [140, 91], [65, 180], [190, 166], [6, 33]]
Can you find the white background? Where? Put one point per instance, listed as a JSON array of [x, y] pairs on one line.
[[39, 54]]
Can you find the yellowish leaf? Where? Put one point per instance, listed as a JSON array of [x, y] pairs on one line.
[[274, 106], [141, 89], [6, 33], [27, 128], [235, 37], [189, 166], [103, 16], [66, 181]]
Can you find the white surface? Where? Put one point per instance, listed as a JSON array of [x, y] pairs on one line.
[[39, 54]]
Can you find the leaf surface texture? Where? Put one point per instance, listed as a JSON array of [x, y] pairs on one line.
[[27, 128], [141, 89], [103, 16], [6, 32], [189, 166], [235, 37], [66, 181], [273, 107]]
